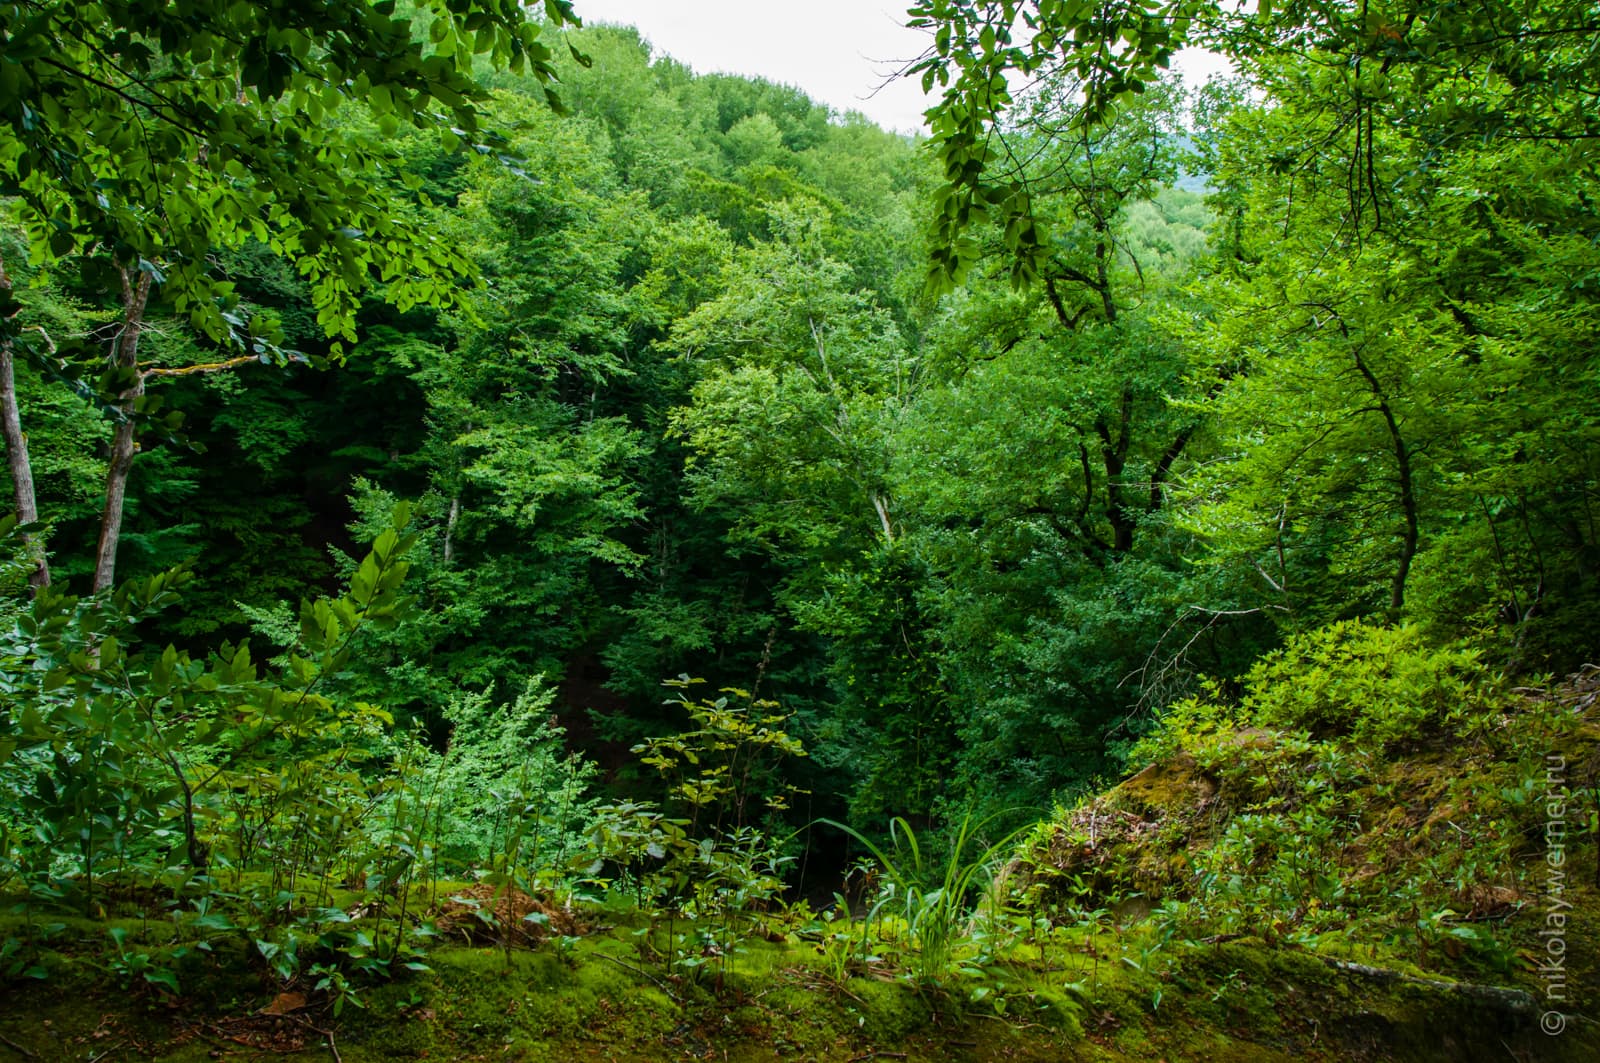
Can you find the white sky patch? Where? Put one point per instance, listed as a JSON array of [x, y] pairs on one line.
[[839, 52], [843, 53]]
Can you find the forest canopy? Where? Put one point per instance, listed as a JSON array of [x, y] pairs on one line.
[[699, 416], [396, 395]]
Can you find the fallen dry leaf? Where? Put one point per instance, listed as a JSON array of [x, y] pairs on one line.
[[284, 1003]]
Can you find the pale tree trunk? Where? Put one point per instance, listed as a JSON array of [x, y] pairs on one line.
[[21, 468], [450, 525], [880, 505], [135, 296]]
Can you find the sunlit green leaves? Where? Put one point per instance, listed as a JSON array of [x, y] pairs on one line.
[[1400, 60], [135, 133]]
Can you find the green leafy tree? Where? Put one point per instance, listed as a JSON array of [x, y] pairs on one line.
[[1038, 472], [160, 135], [1373, 460], [1382, 62], [1399, 180]]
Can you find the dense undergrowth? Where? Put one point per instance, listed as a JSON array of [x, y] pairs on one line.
[[1383, 849], [1367, 789]]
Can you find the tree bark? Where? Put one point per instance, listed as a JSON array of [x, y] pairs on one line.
[[1408, 497], [450, 526], [880, 505], [124, 445], [1114, 456], [1103, 274], [22, 493]]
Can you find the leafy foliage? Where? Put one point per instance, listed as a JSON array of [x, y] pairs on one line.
[[1282, 481], [112, 106], [506, 761]]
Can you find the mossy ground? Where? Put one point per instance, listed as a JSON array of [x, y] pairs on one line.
[[1238, 1000]]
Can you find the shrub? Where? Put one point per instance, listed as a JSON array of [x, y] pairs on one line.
[[508, 761], [1378, 686]]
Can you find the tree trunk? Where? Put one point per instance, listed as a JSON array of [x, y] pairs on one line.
[[135, 296], [23, 498], [1408, 496], [1108, 306], [880, 505], [1114, 455], [450, 526]]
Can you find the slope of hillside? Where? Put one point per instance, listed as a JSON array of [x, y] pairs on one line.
[[1383, 851]]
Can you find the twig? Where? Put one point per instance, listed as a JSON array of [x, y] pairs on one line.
[[875, 1054], [207, 367], [835, 987], [210, 1039], [665, 988], [1010, 1022], [18, 1048], [107, 1052], [236, 1039], [40, 330], [327, 1034]]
